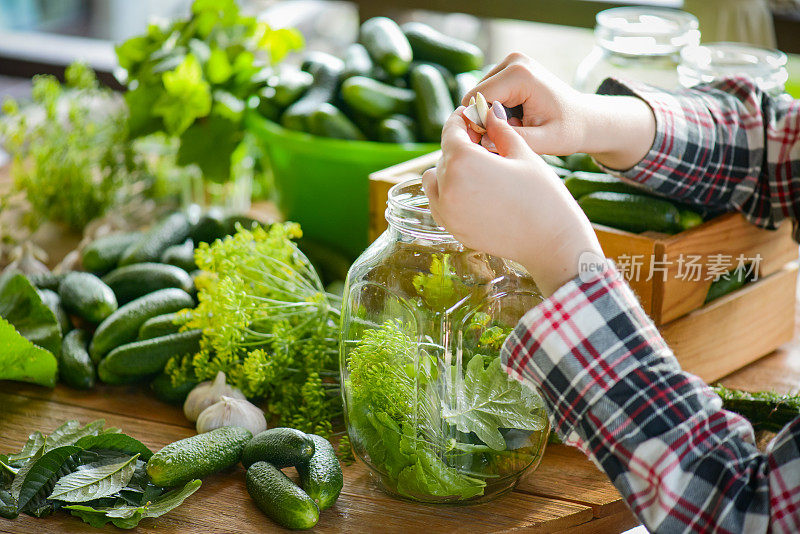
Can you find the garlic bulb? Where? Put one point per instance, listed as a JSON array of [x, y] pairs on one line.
[[232, 412], [207, 393]]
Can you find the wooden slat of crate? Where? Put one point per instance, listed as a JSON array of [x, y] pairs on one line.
[[736, 329]]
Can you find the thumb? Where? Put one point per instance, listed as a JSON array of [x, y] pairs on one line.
[[508, 142]]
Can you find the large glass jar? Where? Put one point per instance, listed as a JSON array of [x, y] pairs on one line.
[[428, 407], [712, 61], [637, 43]]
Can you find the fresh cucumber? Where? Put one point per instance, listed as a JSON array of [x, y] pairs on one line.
[[727, 284], [433, 104], [142, 358], [634, 213], [329, 121], [282, 447], [582, 183], [375, 99], [133, 281], [289, 85], [279, 498], [316, 60], [690, 219], [326, 81], [47, 280], [85, 295], [554, 161], [454, 54], [465, 82], [209, 227], [180, 256], [197, 456], [395, 130], [581, 162], [448, 76], [103, 254], [357, 61], [166, 391], [123, 325], [53, 301], [386, 44], [765, 410], [172, 230], [75, 367], [161, 325], [321, 477]]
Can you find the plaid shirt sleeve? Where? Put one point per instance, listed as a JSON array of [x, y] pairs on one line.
[[727, 146], [614, 389]]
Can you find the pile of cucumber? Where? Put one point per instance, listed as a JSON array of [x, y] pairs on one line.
[[609, 201], [119, 317], [396, 85]]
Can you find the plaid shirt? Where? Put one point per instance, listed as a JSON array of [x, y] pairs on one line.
[[613, 387]]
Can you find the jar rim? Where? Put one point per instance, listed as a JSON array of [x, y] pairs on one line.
[[708, 62], [407, 211], [646, 31]]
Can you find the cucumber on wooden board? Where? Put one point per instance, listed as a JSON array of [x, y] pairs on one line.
[[160, 325], [454, 54], [123, 325], [103, 254], [133, 281], [172, 230], [386, 44], [729, 283], [53, 301], [279, 498], [329, 121], [209, 227], [142, 358], [88, 297], [282, 447], [75, 367], [197, 456], [433, 103], [166, 391], [180, 256], [376, 99], [321, 477], [581, 183], [634, 213]]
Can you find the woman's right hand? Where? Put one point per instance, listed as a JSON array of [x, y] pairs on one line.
[[559, 120]]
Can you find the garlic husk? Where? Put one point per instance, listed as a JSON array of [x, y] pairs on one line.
[[232, 412], [26, 259], [207, 393], [482, 107]]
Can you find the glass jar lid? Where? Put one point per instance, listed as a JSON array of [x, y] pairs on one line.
[[409, 212], [643, 31], [709, 62]]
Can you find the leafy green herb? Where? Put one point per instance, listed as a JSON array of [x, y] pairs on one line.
[[32, 446], [127, 516], [95, 481], [268, 324], [22, 306], [43, 473], [195, 78], [488, 399], [441, 287], [115, 442], [70, 163]]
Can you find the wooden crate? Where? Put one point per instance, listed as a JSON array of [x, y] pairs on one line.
[[665, 296], [737, 329]]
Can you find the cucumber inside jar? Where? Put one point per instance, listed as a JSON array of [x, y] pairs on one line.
[[429, 407]]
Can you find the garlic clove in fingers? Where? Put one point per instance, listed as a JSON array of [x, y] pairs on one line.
[[207, 393], [482, 107], [232, 412], [475, 123]]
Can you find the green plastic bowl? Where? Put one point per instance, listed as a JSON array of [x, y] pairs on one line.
[[323, 183]]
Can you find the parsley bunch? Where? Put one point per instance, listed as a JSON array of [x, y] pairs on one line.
[[268, 324]]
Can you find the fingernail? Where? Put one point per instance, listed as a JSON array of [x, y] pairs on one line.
[[488, 144], [499, 111]]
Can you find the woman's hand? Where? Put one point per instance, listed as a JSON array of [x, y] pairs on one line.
[[509, 204], [617, 130]]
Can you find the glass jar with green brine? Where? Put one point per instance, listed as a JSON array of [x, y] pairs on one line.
[[429, 408]]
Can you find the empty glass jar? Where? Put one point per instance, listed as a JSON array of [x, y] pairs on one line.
[[428, 407], [709, 62], [637, 43]]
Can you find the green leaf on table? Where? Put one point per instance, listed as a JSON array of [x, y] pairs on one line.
[[22, 307], [70, 432], [94, 481], [23, 361], [32, 446], [43, 474], [19, 478], [127, 516], [491, 400], [115, 442], [8, 505]]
